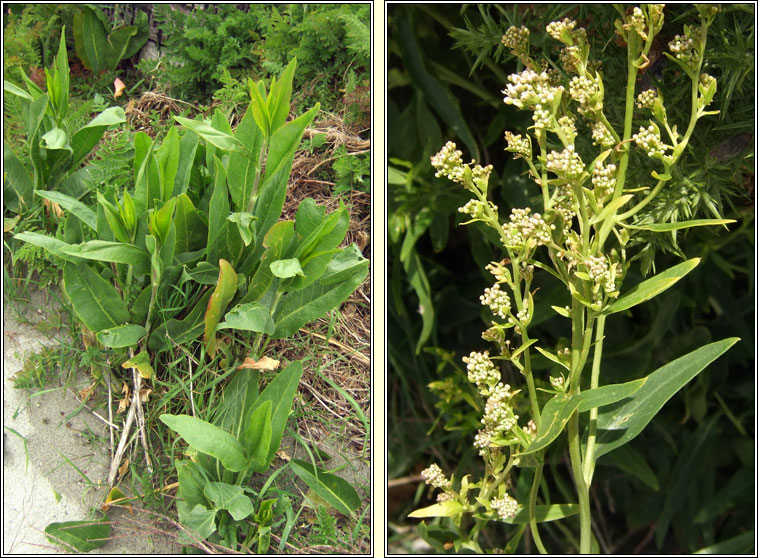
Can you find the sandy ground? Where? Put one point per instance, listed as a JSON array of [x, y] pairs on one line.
[[41, 483]]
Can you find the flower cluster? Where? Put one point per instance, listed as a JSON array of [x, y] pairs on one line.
[[570, 59], [519, 145], [532, 90], [449, 163], [567, 123], [603, 179], [505, 507], [499, 270], [517, 39], [601, 272], [586, 91], [566, 163], [523, 227], [638, 23], [498, 301], [563, 31], [435, 477], [601, 135], [646, 99], [557, 382], [475, 208], [649, 140], [530, 429], [481, 371], [683, 47], [498, 417]]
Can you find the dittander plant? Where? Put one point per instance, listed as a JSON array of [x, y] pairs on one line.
[[584, 235]]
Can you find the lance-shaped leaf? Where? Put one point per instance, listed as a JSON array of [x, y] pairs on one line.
[[243, 164], [278, 101], [652, 287], [220, 299], [335, 490], [79, 536], [449, 508], [619, 424], [215, 137], [666, 227], [280, 392], [257, 437], [191, 230], [18, 185], [76, 207], [87, 137], [543, 513], [95, 301], [557, 412], [106, 251], [208, 439]]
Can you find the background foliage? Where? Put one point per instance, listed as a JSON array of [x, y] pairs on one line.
[[446, 70]]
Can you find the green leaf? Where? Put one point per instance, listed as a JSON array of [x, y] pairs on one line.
[[87, 137], [280, 392], [79, 536], [191, 482], [106, 251], [652, 287], [18, 185], [92, 45], [49, 243], [126, 335], [633, 462], [300, 307], [544, 513], [76, 207], [55, 139], [741, 544], [210, 134], [198, 519], [95, 301], [665, 227], [335, 490], [558, 410], [249, 317], [220, 299], [191, 230], [259, 109], [218, 211], [257, 438], [244, 222], [231, 498], [620, 424], [209, 439], [278, 100], [286, 268], [243, 164], [449, 508], [141, 361]]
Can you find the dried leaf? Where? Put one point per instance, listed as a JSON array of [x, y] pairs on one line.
[[53, 208], [283, 455], [125, 389], [124, 467], [265, 363], [144, 394], [119, 86], [85, 393], [123, 405]]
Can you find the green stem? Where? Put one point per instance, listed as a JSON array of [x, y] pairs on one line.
[[585, 519], [530, 380], [258, 172], [631, 80], [533, 508], [589, 455]]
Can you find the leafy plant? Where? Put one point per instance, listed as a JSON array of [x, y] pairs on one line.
[[588, 237], [101, 46], [352, 171], [53, 151]]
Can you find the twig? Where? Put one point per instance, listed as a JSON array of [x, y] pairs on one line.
[[137, 379], [106, 421], [121, 445], [404, 480]]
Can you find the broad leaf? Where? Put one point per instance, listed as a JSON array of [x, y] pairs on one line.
[[220, 299], [191, 482], [258, 434], [285, 269], [106, 251], [209, 439], [543, 513], [335, 490], [95, 301], [141, 361], [198, 519], [79, 536], [76, 207], [210, 134], [621, 423], [248, 317], [49, 243], [18, 185], [231, 498], [449, 508], [126, 335]]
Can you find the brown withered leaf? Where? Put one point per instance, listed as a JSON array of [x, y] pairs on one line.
[[124, 467], [264, 363], [283, 455], [86, 393], [119, 87], [144, 394], [53, 208], [123, 405]]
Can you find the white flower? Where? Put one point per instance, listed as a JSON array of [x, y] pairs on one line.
[[565, 163], [646, 99], [434, 476], [649, 140], [505, 507], [481, 371]]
